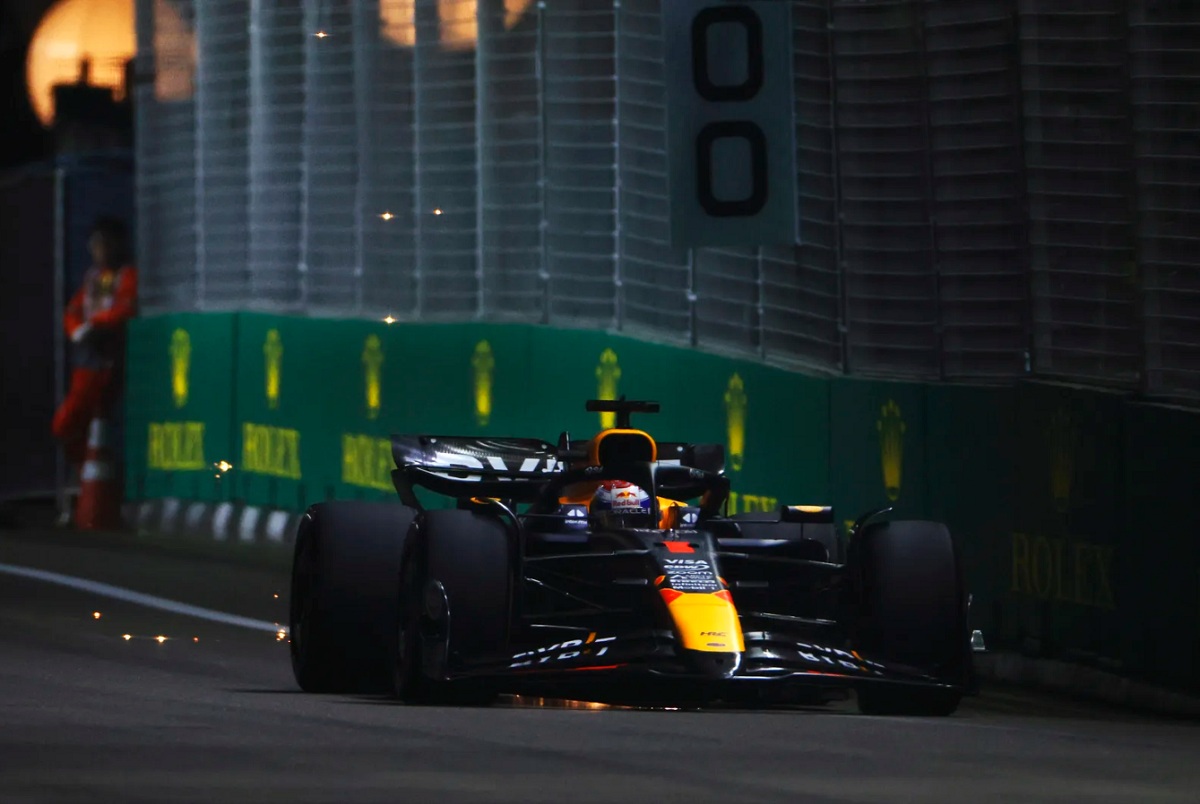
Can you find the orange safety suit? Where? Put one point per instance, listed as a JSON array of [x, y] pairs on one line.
[[105, 301]]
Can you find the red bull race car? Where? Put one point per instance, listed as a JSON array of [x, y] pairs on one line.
[[609, 570]]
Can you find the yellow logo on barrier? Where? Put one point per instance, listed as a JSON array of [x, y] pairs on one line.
[[608, 376], [181, 358], [270, 450], [372, 358], [273, 352], [1070, 570], [175, 446], [1063, 437], [735, 421], [891, 429], [483, 366], [751, 503], [367, 461]]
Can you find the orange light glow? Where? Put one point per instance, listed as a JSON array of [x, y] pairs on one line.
[[456, 18], [174, 53], [560, 703], [101, 33]]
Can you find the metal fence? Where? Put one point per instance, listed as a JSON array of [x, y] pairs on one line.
[[987, 189], [49, 209], [1164, 69]]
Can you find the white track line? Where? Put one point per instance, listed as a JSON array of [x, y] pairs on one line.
[[140, 598]]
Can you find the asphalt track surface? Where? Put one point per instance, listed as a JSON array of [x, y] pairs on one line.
[[212, 714]]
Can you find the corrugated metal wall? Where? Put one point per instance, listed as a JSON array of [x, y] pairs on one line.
[[1165, 83], [1079, 163], [987, 189]]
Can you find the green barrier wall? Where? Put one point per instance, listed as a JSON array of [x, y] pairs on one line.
[[312, 402], [1068, 483], [877, 447], [179, 410], [969, 469], [1158, 553], [1073, 507]]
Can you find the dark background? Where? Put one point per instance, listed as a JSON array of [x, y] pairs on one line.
[[78, 172], [22, 137]]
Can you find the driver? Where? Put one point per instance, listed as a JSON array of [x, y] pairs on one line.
[[620, 504]]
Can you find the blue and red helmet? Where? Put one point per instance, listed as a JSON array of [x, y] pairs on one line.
[[620, 503]]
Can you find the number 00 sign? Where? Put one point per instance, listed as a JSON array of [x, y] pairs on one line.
[[730, 122]]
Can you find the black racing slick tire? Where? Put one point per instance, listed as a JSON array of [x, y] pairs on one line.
[[345, 572], [454, 605], [912, 612]]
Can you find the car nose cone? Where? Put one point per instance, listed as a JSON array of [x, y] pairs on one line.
[[714, 665]]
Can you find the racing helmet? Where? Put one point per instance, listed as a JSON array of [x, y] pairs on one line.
[[620, 504]]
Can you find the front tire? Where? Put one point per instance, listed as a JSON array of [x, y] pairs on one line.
[[454, 605], [345, 571], [912, 612]]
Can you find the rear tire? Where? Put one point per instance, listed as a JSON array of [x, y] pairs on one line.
[[345, 571], [912, 613], [464, 558]]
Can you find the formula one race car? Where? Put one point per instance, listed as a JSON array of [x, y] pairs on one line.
[[608, 570]]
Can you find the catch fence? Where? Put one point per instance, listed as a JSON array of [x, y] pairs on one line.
[[985, 189]]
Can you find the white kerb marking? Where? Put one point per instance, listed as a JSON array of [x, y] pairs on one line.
[[170, 510], [193, 515], [277, 522], [140, 598], [248, 523], [221, 518]]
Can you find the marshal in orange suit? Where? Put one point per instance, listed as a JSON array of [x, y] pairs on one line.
[[95, 322]]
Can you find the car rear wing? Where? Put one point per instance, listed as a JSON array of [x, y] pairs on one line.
[[512, 468], [465, 466], [471, 455]]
